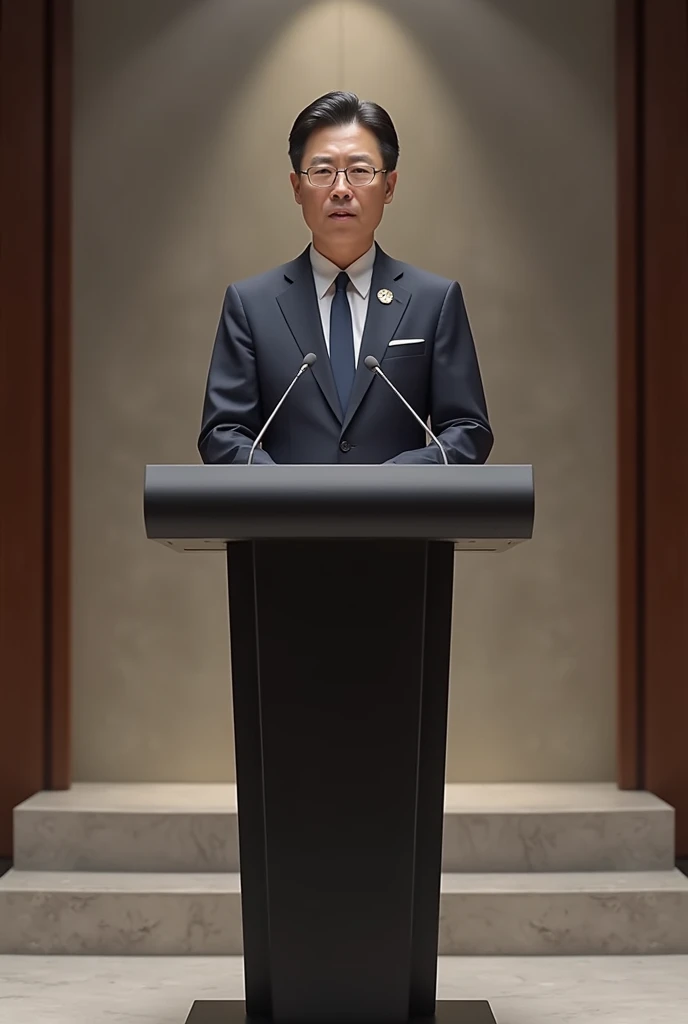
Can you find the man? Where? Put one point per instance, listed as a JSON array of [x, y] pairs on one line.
[[344, 299]]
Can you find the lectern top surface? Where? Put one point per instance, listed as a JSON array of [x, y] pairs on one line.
[[205, 507]]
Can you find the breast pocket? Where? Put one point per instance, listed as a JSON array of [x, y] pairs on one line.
[[402, 348]]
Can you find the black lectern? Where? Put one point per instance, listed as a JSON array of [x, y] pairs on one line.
[[340, 597]]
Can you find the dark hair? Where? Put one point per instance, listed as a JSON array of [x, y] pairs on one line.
[[343, 108]]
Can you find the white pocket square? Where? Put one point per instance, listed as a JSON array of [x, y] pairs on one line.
[[407, 341]]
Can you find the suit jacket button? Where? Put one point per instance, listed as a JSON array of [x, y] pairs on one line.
[[345, 446]]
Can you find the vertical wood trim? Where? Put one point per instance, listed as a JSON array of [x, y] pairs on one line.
[[35, 329], [58, 440], [666, 400], [629, 398], [22, 406]]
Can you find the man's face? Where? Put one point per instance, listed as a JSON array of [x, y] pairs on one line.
[[341, 214]]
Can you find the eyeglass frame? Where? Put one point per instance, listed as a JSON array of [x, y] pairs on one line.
[[345, 172]]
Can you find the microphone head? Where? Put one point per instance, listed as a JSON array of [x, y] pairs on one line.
[[371, 362], [309, 359]]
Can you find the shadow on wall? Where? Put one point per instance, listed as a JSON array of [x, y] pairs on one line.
[[513, 127], [537, 21], [524, 151], [169, 130]]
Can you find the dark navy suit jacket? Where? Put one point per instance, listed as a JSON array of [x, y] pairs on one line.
[[271, 321]]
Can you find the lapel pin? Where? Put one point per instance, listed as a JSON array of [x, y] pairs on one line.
[[385, 296]]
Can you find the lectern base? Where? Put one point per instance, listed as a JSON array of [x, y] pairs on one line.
[[449, 1011]]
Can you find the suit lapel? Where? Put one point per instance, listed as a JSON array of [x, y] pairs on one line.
[[299, 305], [381, 323]]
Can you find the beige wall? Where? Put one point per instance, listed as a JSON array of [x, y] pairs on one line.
[[505, 113]]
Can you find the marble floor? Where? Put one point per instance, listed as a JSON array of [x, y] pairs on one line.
[[157, 990]]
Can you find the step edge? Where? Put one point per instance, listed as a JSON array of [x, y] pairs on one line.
[[194, 883]]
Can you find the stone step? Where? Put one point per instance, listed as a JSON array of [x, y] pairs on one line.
[[488, 828], [568, 914]]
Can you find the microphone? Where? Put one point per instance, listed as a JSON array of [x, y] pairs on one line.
[[373, 365], [308, 361]]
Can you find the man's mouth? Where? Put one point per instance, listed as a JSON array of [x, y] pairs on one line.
[[341, 213]]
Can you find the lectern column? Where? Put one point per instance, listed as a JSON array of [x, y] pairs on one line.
[[340, 667]]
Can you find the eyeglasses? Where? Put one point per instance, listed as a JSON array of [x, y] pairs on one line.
[[325, 177]]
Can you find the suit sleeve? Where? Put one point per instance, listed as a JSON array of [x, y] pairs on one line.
[[232, 413], [458, 411]]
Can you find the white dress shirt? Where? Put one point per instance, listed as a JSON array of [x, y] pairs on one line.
[[325, 274]]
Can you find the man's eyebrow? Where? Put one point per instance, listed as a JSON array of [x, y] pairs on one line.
[[354, 159]]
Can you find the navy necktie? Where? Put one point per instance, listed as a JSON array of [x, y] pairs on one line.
[[342, 341]]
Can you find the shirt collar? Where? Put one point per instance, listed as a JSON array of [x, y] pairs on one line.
[[325, 272]]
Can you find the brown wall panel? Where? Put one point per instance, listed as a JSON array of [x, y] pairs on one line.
[[35, 414], [652, 322], [665, 172], [22, 405]]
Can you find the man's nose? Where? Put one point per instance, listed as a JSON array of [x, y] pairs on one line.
[[341, 185]]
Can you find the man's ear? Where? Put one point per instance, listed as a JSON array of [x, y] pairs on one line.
[[390, 185], [296, 185]]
